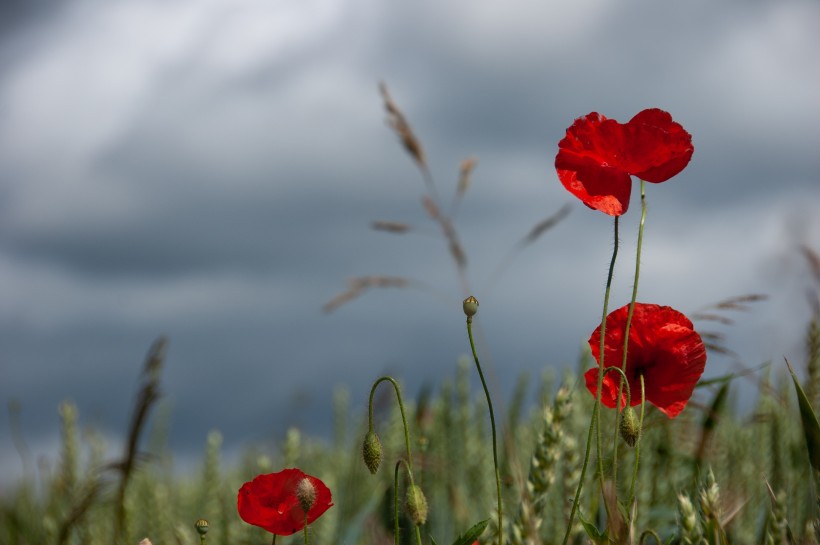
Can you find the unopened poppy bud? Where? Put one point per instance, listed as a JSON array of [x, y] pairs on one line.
[[416, 505], [306, 494], [372, 451], [201, 526], [630, 427], [470, 306]]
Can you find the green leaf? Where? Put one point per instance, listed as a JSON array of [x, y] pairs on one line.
[[592, 531], [472, 534], [432, 541], [811, 428]]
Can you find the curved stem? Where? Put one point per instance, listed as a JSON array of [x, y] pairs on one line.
[[492, 424], [627, 328], [401, 409], [409, 461], [647, 533], [594, 421], [626, 382]]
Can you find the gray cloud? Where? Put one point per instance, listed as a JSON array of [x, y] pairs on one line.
[[208, 171]]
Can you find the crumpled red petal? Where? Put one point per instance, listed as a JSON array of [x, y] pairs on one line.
[[598, 155], [663, 346], [269, 501]]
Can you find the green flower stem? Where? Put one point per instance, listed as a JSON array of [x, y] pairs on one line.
[[409, 461], [623, 377], [593, 424], [626, 331], [274, 540], [396, 529], [306, 538], [396, 503], [492, 425], [403, 416], [638, 444]]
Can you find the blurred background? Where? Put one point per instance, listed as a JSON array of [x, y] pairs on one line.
[[208, 170]]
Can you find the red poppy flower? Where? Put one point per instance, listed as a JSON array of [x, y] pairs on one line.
[[597, 156], [663, 347], [271, 501]]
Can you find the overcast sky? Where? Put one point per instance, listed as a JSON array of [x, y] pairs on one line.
[[208, 170]]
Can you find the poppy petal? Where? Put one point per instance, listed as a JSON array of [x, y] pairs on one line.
[[597, 156], [587, 164], [270, 502], [663, 348], [659, 148]]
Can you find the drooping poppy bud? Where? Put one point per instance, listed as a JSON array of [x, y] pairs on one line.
[[372, 452], [416, 505], [630, 426]]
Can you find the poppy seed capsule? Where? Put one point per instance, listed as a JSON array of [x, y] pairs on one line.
[[416, 505], [201, 526], [372, 452], [630, 427], [470, 306], [306, 494]]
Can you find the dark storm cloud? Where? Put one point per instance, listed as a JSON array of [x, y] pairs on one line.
[[18, 16], [213, 180], [516, 88]]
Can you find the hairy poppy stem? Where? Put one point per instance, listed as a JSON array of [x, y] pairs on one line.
[[594, 421], [638, 445], [492, 425], [392, 381], [306, 528], [409, 461], [626, 335]]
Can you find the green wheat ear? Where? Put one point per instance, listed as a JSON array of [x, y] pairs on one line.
[[689, 523], [542, 473]]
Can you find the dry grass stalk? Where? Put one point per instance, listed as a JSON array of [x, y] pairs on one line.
[[147, 397], [358, 285], [539, 229], [544, 225], [740, 302], [467, 167], [399, 124], [390, 226], [431, 208], [813, 259], [706, 316], [715, 341], [454, 245]]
